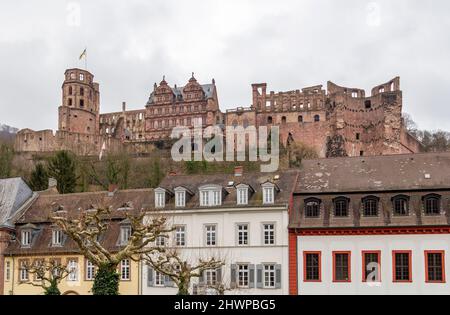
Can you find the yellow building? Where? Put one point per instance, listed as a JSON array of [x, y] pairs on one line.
[[37, 238]]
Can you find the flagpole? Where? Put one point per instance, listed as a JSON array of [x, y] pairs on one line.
[[85, 60]]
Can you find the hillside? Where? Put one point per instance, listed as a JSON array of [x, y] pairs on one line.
[[7, 133]]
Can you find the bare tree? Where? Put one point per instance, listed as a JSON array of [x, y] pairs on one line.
[[86, 232], [47, 275], [171, 263]]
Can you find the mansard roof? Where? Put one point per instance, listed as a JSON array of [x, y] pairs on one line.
[[375, 174], [178, 92]]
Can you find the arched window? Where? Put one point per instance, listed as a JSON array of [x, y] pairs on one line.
[[235, 123], [341, 205], [312, 208], [300, 119], [432, 204], [370, 206], [270, 120], [283, 120], [400, 205], [317, 118]]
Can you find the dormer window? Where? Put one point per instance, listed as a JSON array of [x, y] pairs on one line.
[[57, 237], [210, 196], [180, 199], [312, 208], [370, 206], [125, 234], [341, 206], [242, 194], [160, 198], [268, 193], [432, 204], [26, 238]]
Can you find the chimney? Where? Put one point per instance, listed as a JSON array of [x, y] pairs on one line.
[[112, 188], [172, 173], [124, 106], [52, 183], [238, 171]]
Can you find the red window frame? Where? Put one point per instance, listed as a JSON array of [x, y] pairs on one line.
[[349, 266], [442, 252], [364, 270], [394, 267], [320, 265]]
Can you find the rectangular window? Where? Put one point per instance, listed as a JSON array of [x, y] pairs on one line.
[[242, 234], [217, 198], [269, 233], [125, 234], [205, 198], [211, 277], [26, 238], [57, 238], [342, 267], [24, 276], [7, 271], [312, 266], [435, 266], [210, 235], [180, 236], [242, 196], [73, 268], [402, 266], [90, 271], [161, 241], [371, 266], [125, 270], [243, 276], [159, 279], [160, 201], [180, 199], [269, 276], [268, 195]]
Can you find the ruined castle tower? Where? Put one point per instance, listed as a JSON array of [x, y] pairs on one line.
[[79, 112]]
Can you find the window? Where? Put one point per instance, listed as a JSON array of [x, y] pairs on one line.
[[269, 276], [341, 207], [370, 206], [160, 200], [70, 102], [210, 231], [283, 120], [317, 118], [211, 277], [180, 236], [358, 136], [242, 234], [81, 77], [81, 91], [125, 234], [268, 193], [90, 271], [312, 266], [159, 279], [205, 198], [432, 204], [81, 103], [435, 266], [125, 270], [402, 266], [371, 266], [368, 104], [342, 267], [269, 233], [354, 94], [7, 271], [70, 90], [210, 197], [161, 241], [400, 205], [26, 238], [242, 196], [24, 276], [312, 208], [381, 90], [270, 120], [180, 199], [300, 119], [57, 238], [73, 268], [243, 276]]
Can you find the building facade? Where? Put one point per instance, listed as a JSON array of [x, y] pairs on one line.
[[338, 122], [372, 225]]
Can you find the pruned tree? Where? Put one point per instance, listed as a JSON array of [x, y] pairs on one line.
[[47, 275], [171, 263], [86, 230]]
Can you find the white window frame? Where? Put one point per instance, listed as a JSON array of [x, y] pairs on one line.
[[25, 239], [211, 277], [160, 198], [125, 234], [240, 231], [161, 241], [24, 275], [57, 237], [125, 270], [159, 279], [180, 198], [268, 193], [210, 196], [73, 268], [242, 195], [211, 235], [90, 271], [272, 231], [7, 271], [244, 270], [269, 270], [180, 234]]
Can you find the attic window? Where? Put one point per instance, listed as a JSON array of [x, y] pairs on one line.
[[57, 237], [341, 207], [160, 199], [355, 94], [268, 193], [381, 90], [26, 236], [180, 198], [210, 196], [242, 195]]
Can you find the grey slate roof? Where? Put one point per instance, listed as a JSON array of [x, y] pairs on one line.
[[14, 193], [379, 173]]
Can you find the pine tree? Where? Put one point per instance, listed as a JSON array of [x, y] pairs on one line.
[[39, 178], [62, 167]]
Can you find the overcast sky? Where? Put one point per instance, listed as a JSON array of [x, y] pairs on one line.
[[289, 44]]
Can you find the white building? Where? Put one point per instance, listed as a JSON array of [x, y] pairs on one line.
[[239, 219]]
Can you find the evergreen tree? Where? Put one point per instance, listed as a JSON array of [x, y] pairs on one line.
[[39, 178], [6, 157], [156, 174], [62, 167]]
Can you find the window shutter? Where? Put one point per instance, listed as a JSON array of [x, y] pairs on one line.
[[259, 276], [219, 275], [149, 277], [201, 279], [168, 281], [251, 270], [233, 277], [277, 276]]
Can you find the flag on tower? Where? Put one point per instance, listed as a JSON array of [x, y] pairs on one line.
[[83, 54]]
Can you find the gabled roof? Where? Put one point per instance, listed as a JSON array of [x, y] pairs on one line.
[[14, 193]]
